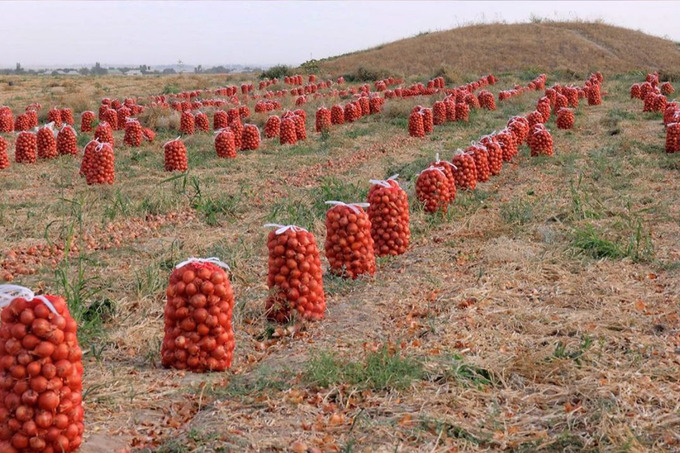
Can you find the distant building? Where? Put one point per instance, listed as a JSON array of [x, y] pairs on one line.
[[68, 73], [133, 72], [115, 72]]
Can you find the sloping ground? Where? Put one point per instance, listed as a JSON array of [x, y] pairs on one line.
[[550, 46]]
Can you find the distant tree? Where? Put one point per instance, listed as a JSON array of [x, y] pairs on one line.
[[198, 69], [310, 66], [217, 70], [19, 69], [98, 70], [276, 72], [169, 71], [84, 71]]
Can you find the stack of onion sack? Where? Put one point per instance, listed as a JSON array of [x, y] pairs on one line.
[[237, 128], [481, 157], [432, 189], [32, 116], [565, 118], [471, 100], [486, 100], [22, 123], [388, 212], [508, 144], [428, 120], [54, 116], [111, 117], [26, 148], [202, 122], [351, 113], [220, 120], [349, 245], [465, 170], [659, 103], [635, 92], [494, 154], [462, 112], [4, 157], [250, 137], [534, 118], [175, 156], [67, 116], [300, 127], [447, 168], [47, 144], [670, 114], [666, 88], [323, 119], [133, 133], [450, 104], [439, 113], [224, 143], [272, 127], [41, 374], [543, 107], [295, 277], [337, 115], [287, 134], [87, 156], [198, 330], [86, 120], [376, 104], [540, 141], [232, 115], [6, 119], [149, 134], [560, 101], [100, 167], [594, 97], [187, 123], [104, 133], [519, 126], [673, 138], [416, 124], [67, 143], [123, 114]]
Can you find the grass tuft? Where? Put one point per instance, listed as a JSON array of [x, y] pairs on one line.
[[379, 370]]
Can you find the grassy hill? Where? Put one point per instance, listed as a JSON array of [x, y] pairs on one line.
[[575, 46]]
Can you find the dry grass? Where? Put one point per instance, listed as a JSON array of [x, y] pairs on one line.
[[505, 335], [547, 46]]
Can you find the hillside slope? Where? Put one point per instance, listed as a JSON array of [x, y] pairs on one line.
[[576, 46]]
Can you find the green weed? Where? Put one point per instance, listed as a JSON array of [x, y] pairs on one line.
[[517, 212], [378, 371]]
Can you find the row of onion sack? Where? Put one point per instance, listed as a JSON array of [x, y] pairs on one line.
[[436, 185], [653, 94], [198, 331], [97, 165], [535, 85], [29, 119]]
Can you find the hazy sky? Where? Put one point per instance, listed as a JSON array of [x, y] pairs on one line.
[[209, 33]]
